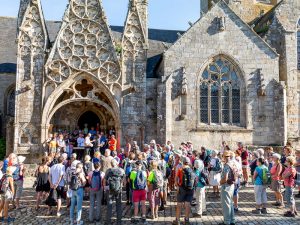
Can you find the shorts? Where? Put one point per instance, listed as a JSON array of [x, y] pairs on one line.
[[276, 185], [8, 196], [139, 195], [236, 188], [185, 195], [289, 196], [18, 185], [60, 192]]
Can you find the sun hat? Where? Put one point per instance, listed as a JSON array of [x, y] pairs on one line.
[[178, 152], [277, 156]]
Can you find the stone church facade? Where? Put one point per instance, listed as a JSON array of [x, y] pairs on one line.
[[233, 75]]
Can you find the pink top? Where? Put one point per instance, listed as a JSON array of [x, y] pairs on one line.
[[289, 181], [273, 172]]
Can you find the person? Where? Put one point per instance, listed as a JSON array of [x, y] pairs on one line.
[[80, 140], [297, 166], [275, 171], [155, 184], [97, 157], [56, 174], [18, 176], [128, 164], [88, 144], [185, 192], [253, 163], [96, 182], [43, 186], [200, 188], [106, 161], [87, 168], [260, 188], [227, 187], [138, 180], [215, 169], [237, 161], [113, 184], [288, 176], [102, 142], [162, 167], [135, 148], [77, 184], [7, 194], [52, 145], [245, 162], [67, 176], [269, 156], [61, 144], [112, 143]]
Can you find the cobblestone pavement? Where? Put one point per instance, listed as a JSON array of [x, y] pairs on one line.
[[30, 216]]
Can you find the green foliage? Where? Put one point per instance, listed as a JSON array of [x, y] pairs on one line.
[[2, 148], [118, 48]]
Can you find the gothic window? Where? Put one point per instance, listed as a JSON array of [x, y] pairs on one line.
[[298, 44], [11, 103], [220, 93]]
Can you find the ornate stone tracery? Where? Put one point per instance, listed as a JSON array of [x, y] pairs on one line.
[[85, 45]]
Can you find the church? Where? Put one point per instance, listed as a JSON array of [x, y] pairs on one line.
[[232, 76]]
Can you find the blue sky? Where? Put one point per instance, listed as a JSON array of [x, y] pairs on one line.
[[163, 14]]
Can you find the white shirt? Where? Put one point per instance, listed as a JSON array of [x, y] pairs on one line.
[[80, 142], [87, 142], [56, 172]]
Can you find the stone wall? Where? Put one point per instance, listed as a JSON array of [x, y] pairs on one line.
[[240, 44]]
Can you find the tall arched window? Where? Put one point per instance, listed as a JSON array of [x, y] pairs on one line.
[[11, 103], [298, 44], [220, 93]]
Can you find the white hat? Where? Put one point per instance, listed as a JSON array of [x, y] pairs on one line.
[[21, 159], [178, 152], [276, 155]]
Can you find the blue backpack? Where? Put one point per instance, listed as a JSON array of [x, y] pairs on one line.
[[96, 181], [140, 181], [128, 169]]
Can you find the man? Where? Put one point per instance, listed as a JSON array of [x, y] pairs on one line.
[[80, 140], [61, 144], [56, 174], [245, 162], [106, 161], [113, 185], [185, 182], [88, 144], [135, 148], [138, 179], [101, 142], [112, 143]]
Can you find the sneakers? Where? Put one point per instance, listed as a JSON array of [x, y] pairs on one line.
[[236, 209], [264, 211], [289, 214], [58, 214], [256, 211]]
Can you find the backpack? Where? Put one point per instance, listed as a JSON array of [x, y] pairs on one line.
[[140, 181], [203, 179], [188, 179], [115, 181], [158, 180], [233, 175], [128, 169], [16, 173], [266, 176], [4, 184], [86, 168], [95, 181], [218, 167], [74, 183]]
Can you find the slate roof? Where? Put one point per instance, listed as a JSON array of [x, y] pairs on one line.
[[159, 40]]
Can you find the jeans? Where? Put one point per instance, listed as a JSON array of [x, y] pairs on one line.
[[260, 194], [118, 199], [200, 200], [77, 198], [95, 198], [227, 203]]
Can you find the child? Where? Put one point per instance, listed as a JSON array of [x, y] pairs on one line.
[[289, 175], [7, 193]]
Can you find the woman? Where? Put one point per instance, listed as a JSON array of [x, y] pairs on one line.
[[275, 183], [260, 188], [200, 188], [77, 195], [288, 176], [253, 163], [214, 167], [43, 186], [227, 188], [7, 195], [154, 190]]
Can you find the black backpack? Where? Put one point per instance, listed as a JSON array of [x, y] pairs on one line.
[[74, 183], [115, 181], [188, 179]]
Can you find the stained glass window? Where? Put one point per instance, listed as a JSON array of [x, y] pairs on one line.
[[11, 103], [298, 43], [220, 93]]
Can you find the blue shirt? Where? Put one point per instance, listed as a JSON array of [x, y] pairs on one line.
[[95, 160], [167, 156], [259, 171]]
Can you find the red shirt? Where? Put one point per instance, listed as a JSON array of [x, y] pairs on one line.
[[112, 144], [244, 157]]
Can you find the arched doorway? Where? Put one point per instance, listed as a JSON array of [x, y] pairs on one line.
[[90, 118]]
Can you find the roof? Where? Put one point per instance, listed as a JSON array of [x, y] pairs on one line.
[[159, 40]]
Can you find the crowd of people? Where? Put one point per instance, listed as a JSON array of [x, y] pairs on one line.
[[148, 175]]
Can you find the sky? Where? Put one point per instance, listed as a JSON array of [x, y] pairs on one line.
[[163, 14]]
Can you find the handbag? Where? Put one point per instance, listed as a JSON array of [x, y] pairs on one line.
[[52, 198]]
